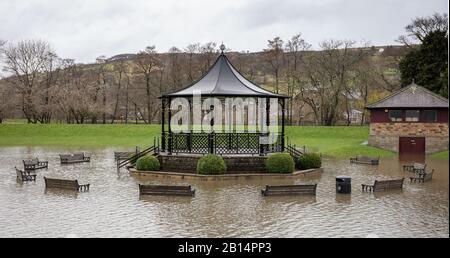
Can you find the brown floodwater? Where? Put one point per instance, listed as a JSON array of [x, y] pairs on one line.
[[113, 208]]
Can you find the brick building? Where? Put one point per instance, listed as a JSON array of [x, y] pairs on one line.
[[412, 120]]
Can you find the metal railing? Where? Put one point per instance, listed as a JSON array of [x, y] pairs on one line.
[[221, 143], [132, 160]]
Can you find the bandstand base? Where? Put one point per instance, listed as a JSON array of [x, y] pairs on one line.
[[236, 164]]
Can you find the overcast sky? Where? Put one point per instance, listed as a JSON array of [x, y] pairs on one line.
[[86, 29]]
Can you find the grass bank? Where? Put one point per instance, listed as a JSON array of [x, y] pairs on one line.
[[440, 155], [336, 141], [77, 135]]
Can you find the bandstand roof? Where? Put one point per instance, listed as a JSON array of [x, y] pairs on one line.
[[223, 79]]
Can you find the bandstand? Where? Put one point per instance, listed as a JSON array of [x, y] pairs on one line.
[[252, 128]]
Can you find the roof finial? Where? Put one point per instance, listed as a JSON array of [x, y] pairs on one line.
[[222, 47]]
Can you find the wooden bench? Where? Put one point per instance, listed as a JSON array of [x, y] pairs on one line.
[[74, 158], [166, 190], [380, 185], [121, 155], [289, 190], [25, 175], [422, 177], [415, 167], [34, 164], [65, 184], [365, 160]]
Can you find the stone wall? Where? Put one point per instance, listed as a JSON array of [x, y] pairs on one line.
[[409, 129], [435, 144], [309, 174], [384, 142], [235, 164], [386, 135]]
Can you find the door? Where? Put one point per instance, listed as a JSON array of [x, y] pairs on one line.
[[412, 148]]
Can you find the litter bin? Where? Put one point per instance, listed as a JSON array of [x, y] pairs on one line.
[[343, 184]]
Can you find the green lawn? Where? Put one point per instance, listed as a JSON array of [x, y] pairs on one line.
[[337, 141], [440, 155], [77, 135]]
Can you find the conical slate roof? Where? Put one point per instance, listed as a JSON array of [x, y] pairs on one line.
[[412, 96], [223, 79]]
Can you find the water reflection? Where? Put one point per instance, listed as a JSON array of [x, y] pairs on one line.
[[232, 208], [408, 158], [61, 193], [343, 198]]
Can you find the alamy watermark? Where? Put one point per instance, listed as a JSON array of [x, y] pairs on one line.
[[236, 114]]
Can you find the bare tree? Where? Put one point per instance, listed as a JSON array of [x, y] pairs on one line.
[[100, 89], [27, 61], [74, 93], [119, 68], [147, 61], [6, 100], [191, 50], [208, 52], [295, 49], [274, 57], [329, 73], [175, 67], [422, 26]]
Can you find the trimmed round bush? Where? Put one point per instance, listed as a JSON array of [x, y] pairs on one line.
[[309, 160], [280, 163], [147, 162], [131, 155], [211, 165]]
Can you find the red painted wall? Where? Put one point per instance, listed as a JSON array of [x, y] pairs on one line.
[[443, 115], [380, 116]]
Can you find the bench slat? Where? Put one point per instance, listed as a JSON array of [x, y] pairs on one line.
[[384, 185], [74, 158], [65, 184], [289, 189], [166, 190], [365, 160]]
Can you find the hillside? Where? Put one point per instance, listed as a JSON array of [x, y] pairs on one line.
[[127, 86]]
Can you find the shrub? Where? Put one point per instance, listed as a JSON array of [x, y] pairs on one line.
[[147, 162], [211, 165], [309, 160], [134, 157], [280, 163]]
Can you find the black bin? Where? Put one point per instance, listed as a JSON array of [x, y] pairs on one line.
[[343, 184]]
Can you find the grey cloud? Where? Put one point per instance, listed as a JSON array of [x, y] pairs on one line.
[[85, 29]]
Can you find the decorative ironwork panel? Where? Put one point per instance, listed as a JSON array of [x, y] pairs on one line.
[[220, 143]]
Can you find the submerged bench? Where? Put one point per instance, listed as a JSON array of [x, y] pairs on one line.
[[289, 190], [34, 164], [120, 155], [365, 160], [25, 175], [380, 185], [74, 158], [422, 177], [415, 167], [65, 184], [166, 190]]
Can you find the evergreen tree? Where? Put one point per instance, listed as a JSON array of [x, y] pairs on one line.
[[427, 64]]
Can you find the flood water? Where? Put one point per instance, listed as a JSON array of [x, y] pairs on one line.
[[113, 208]]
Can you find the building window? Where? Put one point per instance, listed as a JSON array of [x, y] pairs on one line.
[[430, 115], [395, 115], [412, 116]]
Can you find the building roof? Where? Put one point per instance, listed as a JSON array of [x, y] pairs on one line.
[[411, 96], [223, 79]]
